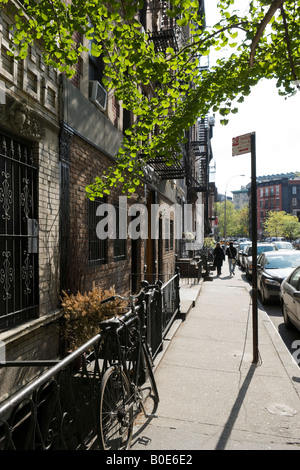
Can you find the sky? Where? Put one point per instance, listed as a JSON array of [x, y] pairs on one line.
[[275, 121]]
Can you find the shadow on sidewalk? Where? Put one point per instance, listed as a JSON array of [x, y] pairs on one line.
[[221, 444]]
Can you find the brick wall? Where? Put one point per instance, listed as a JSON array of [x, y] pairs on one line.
[[86, 163], [33, 89]]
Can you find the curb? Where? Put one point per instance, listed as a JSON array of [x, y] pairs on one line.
[[288, 362]]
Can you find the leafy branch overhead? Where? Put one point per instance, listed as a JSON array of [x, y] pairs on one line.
[[263, 42]]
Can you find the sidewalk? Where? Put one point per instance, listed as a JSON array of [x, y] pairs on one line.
[[212, 396]]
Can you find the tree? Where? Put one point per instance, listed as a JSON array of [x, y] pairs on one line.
[[264, 42], [237, 221], [281, 224], [292, 227], [243, 221], [274, 224]]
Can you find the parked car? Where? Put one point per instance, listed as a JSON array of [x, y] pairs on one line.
[[243, 257], [240, 249], [261, 248], [272, 268], [296, 244], [243, 240], [290, 299], [284, 245]]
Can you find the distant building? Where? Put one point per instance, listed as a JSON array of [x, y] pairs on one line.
[[294, 196], [279, 192], [240, 197]]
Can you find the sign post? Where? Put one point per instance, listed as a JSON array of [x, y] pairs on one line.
[[240, 145]]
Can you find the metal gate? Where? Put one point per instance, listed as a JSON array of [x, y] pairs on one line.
[[18, 233]]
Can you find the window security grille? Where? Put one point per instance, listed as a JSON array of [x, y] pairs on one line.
[[18, 233]]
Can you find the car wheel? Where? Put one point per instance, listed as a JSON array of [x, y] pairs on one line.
[[286, 318]]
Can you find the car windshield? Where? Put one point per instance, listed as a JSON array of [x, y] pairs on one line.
[[243, 245], [282, 261], [284, 245], [261, 249]]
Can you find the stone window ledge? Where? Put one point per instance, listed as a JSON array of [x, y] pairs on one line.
[[19, 331]]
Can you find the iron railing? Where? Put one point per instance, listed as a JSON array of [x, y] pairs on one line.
[[60, 408]]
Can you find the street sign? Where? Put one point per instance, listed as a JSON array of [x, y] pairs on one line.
[[241, 144]]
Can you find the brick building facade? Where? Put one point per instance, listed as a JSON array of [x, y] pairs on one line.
[[29, 206], [273, 194], [55, 138]]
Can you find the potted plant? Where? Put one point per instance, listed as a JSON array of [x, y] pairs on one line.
[[82, 314]]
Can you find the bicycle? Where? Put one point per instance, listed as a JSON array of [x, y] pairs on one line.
[[128, 367]]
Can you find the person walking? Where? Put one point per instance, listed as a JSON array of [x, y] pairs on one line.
[[231, 253], [219, 257]]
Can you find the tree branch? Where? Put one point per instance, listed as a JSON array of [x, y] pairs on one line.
[[262, 26], [288, 42]]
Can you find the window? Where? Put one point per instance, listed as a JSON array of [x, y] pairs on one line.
[[96, 65], [261, 203], [272, 191], [119, 243], [294, 201], [295, 279], [266, 203], [171, 234], [277, 202], [261, 192], [294, 189], [167, 234], [19, 288], [97, 247], [271, 203], [266, 191], [277, 190]]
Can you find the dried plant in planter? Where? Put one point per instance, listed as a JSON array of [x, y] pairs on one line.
[[84, 312]]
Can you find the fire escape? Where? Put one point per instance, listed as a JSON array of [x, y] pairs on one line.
[[199, 183], [166, 33]]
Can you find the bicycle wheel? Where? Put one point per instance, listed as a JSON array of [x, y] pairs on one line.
[[149, 372], [116, 413]]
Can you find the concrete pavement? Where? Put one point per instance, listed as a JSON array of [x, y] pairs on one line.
[[212, 395]]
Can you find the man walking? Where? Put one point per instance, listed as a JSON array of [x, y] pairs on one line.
[[231, 253]]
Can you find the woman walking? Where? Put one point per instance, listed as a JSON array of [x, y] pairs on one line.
[[219, 257]]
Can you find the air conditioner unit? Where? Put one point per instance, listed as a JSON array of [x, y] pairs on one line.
[[98, 94]]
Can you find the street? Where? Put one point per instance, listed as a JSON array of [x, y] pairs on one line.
[[288, 336], [274, 312]]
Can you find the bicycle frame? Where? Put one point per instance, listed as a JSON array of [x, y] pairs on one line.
[[126, 351], [126, 356]]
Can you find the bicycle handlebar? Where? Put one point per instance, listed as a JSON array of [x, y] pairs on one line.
[[131, 298]]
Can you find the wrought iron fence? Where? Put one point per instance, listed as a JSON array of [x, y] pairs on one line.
[[59, 409], [163, 305]]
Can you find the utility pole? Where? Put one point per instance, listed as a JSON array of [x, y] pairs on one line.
[[241, 145], [254, 247]]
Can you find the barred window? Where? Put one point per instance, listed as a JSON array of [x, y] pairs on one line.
[[97, 247], [19, 291], [171, 234], [119, 243], [167, 234]]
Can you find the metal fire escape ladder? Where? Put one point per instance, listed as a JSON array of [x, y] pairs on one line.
[[201, 151], [169, 35]]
